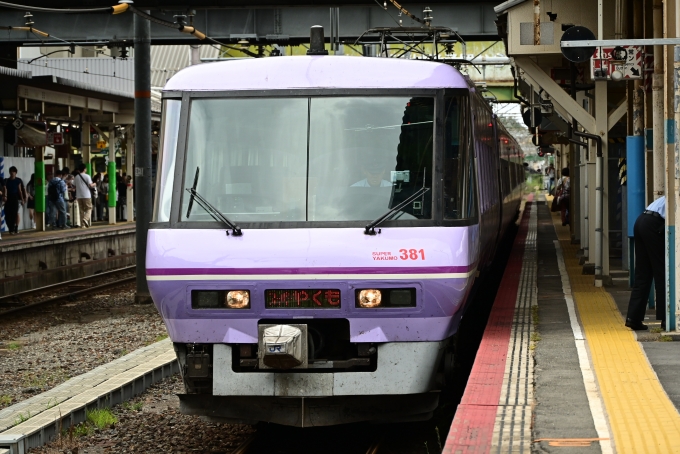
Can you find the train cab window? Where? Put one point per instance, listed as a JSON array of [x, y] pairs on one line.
[[310, 159], [166, 164], [251, 156], [368, 155], [459, 189]]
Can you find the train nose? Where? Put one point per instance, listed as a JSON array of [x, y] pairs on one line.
[[283, 346]]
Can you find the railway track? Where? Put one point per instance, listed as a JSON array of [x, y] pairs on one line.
[[249, 445], [73, 288]]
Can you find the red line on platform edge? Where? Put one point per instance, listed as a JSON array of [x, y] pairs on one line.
[[472, 427]]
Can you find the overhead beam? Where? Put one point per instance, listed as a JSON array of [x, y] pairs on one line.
[[617, 113], [571, 107], [282, 25]]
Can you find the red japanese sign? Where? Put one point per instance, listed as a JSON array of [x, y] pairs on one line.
[[617, 63]]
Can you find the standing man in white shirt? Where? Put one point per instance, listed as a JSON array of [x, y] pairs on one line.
[[650, 263], [84, 184]]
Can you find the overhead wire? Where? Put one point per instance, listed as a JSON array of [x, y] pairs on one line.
[[190, 29], [404, 11], [487, 48], [104, 9], [395, 21], [63, 69]]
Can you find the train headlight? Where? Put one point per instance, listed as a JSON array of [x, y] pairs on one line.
[[238, 299], [220, 299], [386, 298], [370, 298]]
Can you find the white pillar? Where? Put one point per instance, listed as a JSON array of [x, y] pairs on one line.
[[658, 104], [601, 181]]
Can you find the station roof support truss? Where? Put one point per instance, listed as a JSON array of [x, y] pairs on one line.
[[67, 99], [69, 106], [564, 104]]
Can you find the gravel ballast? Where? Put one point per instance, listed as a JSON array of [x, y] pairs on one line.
[[152, 423], [47, 346]]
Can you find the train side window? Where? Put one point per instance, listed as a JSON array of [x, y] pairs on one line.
[[459, 193], [166, 163]]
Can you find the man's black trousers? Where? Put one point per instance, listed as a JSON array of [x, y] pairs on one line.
[[649, 232]]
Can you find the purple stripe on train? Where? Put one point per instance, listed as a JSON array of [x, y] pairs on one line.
[[305, 271]]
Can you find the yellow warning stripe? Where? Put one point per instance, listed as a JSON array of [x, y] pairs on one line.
[[641, 416]]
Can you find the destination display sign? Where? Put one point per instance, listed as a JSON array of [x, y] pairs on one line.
[[302, 299]]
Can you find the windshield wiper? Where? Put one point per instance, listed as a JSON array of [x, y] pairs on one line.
[[210, 209], [370, 228]]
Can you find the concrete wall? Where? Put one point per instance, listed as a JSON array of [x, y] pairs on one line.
[[55, 259], [576, 12]]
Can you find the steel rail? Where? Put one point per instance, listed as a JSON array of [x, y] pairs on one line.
[[375, 446], [66, 283], [70, 295], [243, 447]]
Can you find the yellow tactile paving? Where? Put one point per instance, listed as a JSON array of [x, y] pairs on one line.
[[641, 416]]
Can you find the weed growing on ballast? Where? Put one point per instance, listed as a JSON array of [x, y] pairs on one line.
[[137, 406], [101, 418]]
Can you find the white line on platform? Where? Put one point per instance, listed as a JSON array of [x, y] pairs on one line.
[[592, 391]]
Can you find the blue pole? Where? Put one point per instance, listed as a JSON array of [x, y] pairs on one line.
[[635, 180]]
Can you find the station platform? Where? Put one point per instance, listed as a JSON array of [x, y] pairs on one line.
[[39, 419], [34, 259], [557, 370], [27, 237]]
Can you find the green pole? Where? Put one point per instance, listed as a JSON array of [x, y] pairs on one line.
[[112, 184], [39, 186], [88, 165]]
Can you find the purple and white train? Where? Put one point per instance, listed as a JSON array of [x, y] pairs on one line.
[[319, 224]]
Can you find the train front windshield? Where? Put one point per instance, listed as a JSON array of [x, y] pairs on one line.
[[310, 159]]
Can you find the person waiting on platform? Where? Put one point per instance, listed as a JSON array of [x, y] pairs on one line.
[[84, 188], [56, 195], [16, 196], [121, 201], [71, 201], [650, 263], [103, 191], [550, 172], [96, 207], [30, 203], [562, 193]]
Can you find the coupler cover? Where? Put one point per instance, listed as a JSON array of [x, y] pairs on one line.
[[282, 346]]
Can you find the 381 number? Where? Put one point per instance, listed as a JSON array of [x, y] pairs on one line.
[[412, 254]]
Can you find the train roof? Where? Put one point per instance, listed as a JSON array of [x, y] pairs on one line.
[[309, 72]]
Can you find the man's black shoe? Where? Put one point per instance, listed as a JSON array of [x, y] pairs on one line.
[[636, 326]]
